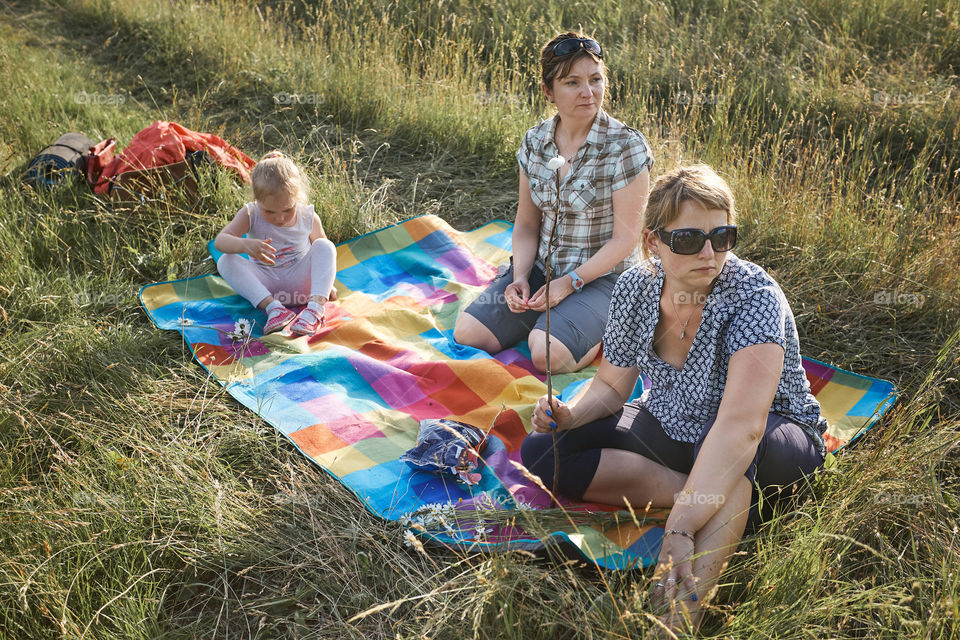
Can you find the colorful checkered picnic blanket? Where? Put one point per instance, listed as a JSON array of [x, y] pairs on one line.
[[351, 397]]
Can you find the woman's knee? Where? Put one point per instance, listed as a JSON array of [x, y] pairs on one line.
[[471, 332], [578, 466], [787, 455], [561, 360], [536, 453]]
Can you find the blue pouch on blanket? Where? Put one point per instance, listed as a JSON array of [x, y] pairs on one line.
[[447, 446]]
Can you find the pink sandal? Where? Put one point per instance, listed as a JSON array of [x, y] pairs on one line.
[[278, 320], [307, 323]]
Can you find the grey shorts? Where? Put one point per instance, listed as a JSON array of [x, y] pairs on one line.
[[577, 322]]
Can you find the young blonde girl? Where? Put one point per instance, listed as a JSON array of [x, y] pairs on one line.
[[291, 260]]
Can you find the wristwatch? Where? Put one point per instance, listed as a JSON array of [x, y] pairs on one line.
[[577, 280]]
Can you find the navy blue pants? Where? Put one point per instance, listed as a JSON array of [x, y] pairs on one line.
[[784, 456]]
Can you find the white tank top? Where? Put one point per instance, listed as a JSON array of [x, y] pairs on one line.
[[291, 243]]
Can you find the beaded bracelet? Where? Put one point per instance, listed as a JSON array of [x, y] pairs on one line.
[[681, 532]]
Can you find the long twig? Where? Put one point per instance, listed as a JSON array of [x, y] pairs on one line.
[[549, 371]]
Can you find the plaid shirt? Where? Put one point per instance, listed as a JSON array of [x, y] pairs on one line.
[[612, 155]]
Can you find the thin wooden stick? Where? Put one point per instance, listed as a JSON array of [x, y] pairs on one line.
[[549, 371]]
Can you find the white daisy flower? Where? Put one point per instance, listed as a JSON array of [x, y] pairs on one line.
[[241, 329], [411, 541], [481, 531]]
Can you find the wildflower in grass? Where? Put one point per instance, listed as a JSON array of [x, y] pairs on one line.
[[411, 541], [481, 531], [435, 516], [242, 329]]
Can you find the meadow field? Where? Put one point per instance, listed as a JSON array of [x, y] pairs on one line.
[[138, 500]]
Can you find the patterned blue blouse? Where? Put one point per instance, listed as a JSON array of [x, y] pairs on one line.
[[745, 307]]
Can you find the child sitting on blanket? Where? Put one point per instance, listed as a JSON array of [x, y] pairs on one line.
[[291, 261]]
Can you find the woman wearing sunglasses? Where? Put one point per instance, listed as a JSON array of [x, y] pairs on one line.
[[603, 188], [728, 411]]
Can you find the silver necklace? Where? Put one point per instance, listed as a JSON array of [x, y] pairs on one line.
[[683, 325]]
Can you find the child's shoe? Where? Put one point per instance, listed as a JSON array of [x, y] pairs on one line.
[[307, 323], [278, 319]]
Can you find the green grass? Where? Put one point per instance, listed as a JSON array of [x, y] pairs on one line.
[[137, 500]]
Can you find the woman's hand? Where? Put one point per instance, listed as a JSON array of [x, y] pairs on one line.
[[673, 578], [560, 288], [517, 294], [546, 419], [262, 250]]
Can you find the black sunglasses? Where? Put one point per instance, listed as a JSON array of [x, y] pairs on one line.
[[687, 242], [572, 45]]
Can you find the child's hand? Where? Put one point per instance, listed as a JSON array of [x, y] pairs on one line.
[[262, 250]]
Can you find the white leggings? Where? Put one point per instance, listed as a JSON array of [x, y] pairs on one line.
[[292, 285]]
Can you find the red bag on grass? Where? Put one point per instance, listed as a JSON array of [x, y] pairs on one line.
[[165, 143]]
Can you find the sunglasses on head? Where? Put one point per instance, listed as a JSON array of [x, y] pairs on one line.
[[572, 45], [687, 242]]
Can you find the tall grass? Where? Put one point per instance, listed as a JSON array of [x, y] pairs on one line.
[[138, 500]]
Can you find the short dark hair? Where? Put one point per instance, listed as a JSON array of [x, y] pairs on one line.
[[553, 67]]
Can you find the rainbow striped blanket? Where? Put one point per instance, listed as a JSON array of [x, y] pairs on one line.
[[351, 397]]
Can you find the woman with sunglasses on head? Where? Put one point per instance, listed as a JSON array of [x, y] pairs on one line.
[[603, 189], [729, 406]]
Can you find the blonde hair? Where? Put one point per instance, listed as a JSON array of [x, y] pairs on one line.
[[699, 183], [276, 173]]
